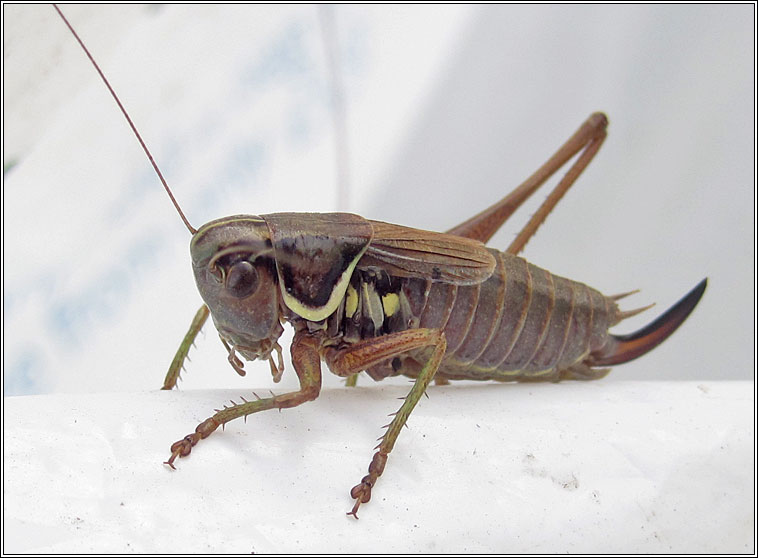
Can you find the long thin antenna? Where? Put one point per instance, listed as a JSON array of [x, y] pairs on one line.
[[129, 120]]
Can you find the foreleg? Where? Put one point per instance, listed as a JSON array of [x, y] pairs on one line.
[[307, 363]]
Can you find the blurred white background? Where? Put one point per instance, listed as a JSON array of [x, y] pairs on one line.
[[448, 108]]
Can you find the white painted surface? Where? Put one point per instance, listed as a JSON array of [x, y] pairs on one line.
[[603, 467]]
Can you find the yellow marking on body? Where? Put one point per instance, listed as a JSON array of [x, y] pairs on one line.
[[338, 293], [351, 303], [390, 303]]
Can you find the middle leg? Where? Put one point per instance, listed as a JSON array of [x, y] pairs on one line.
[[370, 352]]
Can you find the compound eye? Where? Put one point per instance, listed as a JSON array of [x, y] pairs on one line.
[[242, 279]]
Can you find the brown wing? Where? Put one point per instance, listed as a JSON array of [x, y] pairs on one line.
[[408, 252]]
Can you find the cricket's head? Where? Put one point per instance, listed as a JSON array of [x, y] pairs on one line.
[[235, 271], [234, 268]]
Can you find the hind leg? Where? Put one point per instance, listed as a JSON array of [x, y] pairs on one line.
[[587, 139]]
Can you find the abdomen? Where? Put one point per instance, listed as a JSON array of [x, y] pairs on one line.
[[521, 324]]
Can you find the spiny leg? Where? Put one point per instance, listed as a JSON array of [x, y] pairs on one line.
[[307, 363], [560, 189], [172, 376], [362, 491], [588, 138], [373, 351]]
